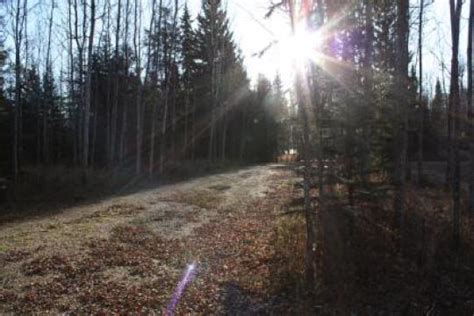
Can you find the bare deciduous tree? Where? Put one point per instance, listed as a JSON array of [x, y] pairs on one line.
[[454, 100], [20, 12], [420, 96], [470, 74], [88, 87]]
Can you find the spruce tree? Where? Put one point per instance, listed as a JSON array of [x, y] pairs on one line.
[[188, 50], [188, 66], [32, 114], [438, 111], [280, 115], [219, 72]]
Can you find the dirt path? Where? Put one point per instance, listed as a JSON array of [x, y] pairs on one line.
[[128, 253]]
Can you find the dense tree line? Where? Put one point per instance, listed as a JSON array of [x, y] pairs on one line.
[[144, 87], [125, 92], [363, 107]]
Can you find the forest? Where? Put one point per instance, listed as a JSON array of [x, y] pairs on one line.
[[149, 166]]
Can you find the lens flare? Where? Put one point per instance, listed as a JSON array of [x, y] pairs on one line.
[[295, 50], [301, 45], [186, 278]]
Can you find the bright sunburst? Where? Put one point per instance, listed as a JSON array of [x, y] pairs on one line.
[[301, 46], [293, 50]]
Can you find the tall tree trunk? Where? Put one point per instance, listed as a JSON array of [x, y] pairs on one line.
[[80, 42], [88, 87], [193, 128], [123, 130], [420, 96], [243, 135], [448, 120], [151, 163], [470, 74], [46, 105], [224, 134], [137, 52], [72, 98], [38, 129], [455, 14], [213, 53], [95, 119], [402, 138], [140, 104], [114, 116], [18, 39], [368, 64], [108, 92], [169, 73], [304, 104], [186, 125]]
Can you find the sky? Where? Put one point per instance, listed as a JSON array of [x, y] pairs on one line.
[[253, 33]]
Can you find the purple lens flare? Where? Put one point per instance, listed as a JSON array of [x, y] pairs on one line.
[[187, 277]]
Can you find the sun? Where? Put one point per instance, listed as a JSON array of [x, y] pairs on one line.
[[303, 45], [288, 53], [293, 51]]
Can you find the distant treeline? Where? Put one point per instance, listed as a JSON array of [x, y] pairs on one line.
[[132, 92]]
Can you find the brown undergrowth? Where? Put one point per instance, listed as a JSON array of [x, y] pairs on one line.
[[369, 267], [250, 259]]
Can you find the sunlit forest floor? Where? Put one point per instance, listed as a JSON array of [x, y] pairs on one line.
[[245, 231], [127, 254]]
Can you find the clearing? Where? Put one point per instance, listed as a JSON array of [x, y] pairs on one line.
[[127, 254]]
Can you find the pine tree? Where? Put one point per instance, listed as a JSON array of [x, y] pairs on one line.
[[188, 66], [33, 113], [188, 49], [438, 111], [218, 78], [281, 116], [52, 118], [214, 43]]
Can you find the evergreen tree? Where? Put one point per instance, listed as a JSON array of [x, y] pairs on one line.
[[32, 115], [211, 37], [438, 110], [434, 124], [219, 74], [279, 111], [188, 66], [188, 49]]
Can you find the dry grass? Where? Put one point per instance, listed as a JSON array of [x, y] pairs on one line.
[[289, 244], [202, 198], [128, 254]]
